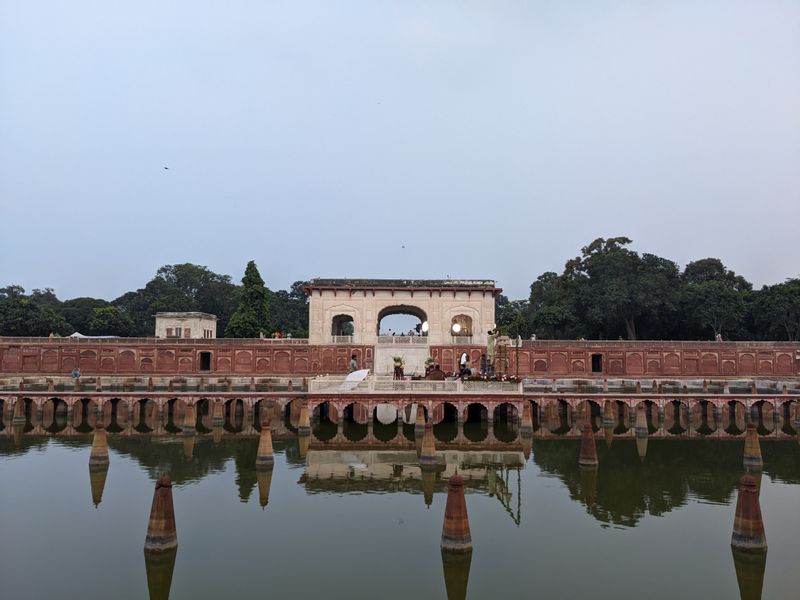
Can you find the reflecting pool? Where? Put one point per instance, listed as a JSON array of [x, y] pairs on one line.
[[352, 516]]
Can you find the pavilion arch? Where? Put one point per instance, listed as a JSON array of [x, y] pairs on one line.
[[464, 323], [343, 325], [651, 414], [54, 415], [399, 309], [352, 413], [734, 417]]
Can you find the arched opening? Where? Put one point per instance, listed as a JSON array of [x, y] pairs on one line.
[[506, 422], [705, 417], [85, 416], [54, 415], [354, 430], [322, 425], [675, 414], [402, 320], [763, 416], [343, 329], [384, 418], [734, 418], [175, 414], [234, 416], [788, 421], [557, 417], [446, 430], [118, 415], [144, 416], [476, 426], [409, 415], [461, 328]]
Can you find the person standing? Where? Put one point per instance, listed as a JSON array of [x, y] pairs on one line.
[[353, 363]]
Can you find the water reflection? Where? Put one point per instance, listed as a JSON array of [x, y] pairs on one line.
[[749, 568], [159, 567]]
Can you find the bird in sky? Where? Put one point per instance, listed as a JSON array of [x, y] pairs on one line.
[[166, 168]]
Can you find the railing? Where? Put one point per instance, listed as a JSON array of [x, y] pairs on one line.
[[409, 340], [375, 384], [667, 344], [343, 339]]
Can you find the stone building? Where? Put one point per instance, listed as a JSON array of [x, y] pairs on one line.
[[450, 311], [186, 325]]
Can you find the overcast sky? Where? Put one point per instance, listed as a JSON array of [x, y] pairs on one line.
[[393, 138]]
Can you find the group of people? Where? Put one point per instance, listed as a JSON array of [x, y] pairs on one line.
[[410, 333]]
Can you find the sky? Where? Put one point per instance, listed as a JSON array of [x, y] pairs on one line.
[[393, 139]]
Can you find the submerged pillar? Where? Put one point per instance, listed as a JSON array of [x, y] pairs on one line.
[[419, 423], [526, 429], [303, 443], [98, 458], [304, 424], [455, 531], [218, 414], [589, 484], [748, 526], [427, 456], [189, 426], [588, 456], [752, 448], [641, 432], [264, 457], [428, 481], [161, 533]]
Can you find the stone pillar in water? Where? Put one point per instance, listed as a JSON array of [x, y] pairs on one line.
[[428, 481], [189, 426], [641, 432], [752, 449], [748, 526], [98, 458], [609, 421], [161, 532], [264, 457], [427, 456], [304, 423], [455, 531], [589, 484], [97, 482], [419, 424], [588, 456], [526, 428], [303, 443], [218, 414]]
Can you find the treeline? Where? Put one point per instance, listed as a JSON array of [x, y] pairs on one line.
[[607, 292], [243, 310], [611, 292]]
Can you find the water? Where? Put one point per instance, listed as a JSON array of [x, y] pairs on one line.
[[355, 520]]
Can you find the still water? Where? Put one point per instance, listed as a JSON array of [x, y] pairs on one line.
[[349, 520]]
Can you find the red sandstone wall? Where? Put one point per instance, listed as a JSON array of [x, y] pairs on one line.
[[657, 359], [259, 357], [264, 357]]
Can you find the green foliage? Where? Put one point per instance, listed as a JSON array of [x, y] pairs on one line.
[[78, 311], [252, 313], [776, 311], [109, 320], [21, 316], [288, 310]]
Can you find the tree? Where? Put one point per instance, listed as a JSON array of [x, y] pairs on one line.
[[713, 298], [20, 316], [777, 310], [512, 316], [552, 307], [288, 310], [109, 320], [618, 290], [78, 311], [207, 291], [252, 313]]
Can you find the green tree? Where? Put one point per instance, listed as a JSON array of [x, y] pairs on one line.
[[288, 310], [207, 291], [252, 313], [776, 310], [20, 316], [78, 311], [512, 316], [713, 299], [157, 296], [617, 291], [109, 320]]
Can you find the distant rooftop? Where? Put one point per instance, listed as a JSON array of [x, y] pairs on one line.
[[461, 284], [186, 315]]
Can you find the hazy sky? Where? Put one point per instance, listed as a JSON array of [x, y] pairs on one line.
[[491, 139]]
